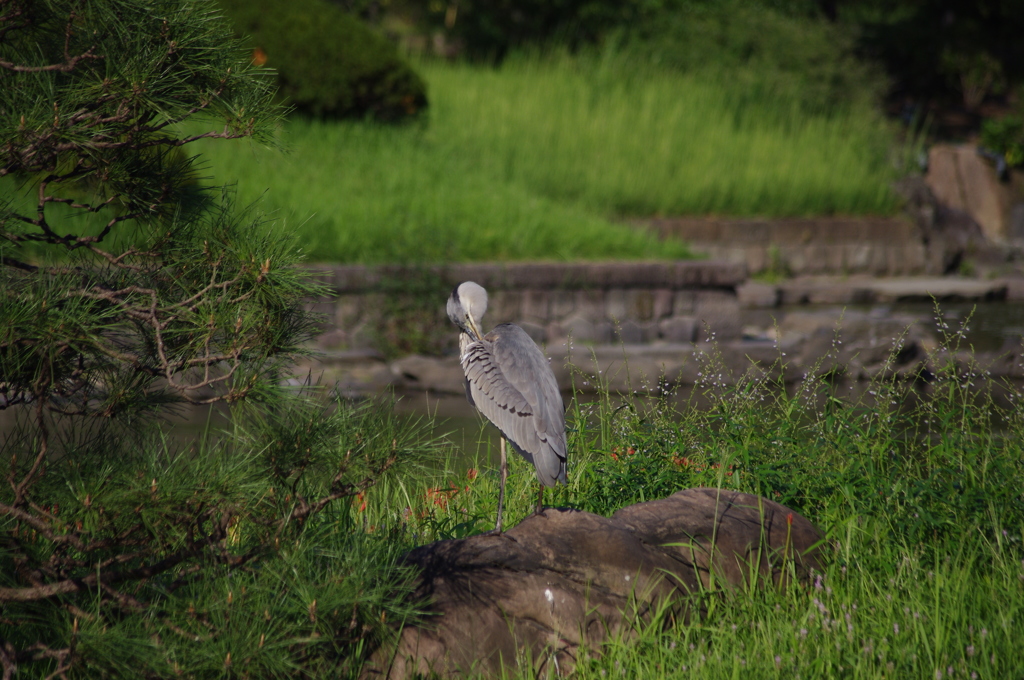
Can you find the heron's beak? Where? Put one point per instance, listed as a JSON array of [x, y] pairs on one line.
[[473, 327]]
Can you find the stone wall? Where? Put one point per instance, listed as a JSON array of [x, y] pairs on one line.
[[665, 307], [631, 302], [880, 246], [959, 217]]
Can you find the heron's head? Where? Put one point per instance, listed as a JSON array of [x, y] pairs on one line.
[[467, 304]]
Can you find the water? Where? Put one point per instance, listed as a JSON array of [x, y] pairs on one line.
[[991, 327], [455, 419], [183, 426]]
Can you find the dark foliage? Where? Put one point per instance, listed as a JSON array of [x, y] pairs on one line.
[[951, 50], [488, 29], [784, 54], [937, 55], [328, 63]]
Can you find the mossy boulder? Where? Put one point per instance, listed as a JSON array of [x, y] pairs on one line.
[[328, 63], [567, 580]]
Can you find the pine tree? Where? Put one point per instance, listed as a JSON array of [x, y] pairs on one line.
[[127, 287]]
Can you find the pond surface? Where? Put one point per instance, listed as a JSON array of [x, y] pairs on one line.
[[475, 442], [991, 326]]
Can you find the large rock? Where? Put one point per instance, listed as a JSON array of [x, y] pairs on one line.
[[962, 180], [568, 578]]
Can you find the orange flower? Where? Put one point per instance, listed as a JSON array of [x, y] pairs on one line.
[[471, 473], [440, 497]]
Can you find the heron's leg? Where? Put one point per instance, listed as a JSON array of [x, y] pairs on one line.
[[502, 476], [540, 501]]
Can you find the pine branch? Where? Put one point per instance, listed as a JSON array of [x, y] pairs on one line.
[[64, 67], [203, 306], [22, 486], [109, 578], [63, 657], [18, 264]]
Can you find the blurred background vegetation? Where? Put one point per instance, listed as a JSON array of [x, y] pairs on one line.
[[427, 131], [537, 129]]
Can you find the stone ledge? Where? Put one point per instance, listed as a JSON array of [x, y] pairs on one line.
[[789, 231], [928, 239], [855, 344], [828, 290], [544, 275]]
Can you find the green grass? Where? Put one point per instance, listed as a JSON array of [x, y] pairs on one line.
[[546, 158], [919, 492], [541, 158], [626, 138], [918, 488], [355, 192]]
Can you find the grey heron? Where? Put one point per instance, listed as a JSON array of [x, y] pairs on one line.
[[509, 380]]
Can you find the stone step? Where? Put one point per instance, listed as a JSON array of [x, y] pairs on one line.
[[831, 290]]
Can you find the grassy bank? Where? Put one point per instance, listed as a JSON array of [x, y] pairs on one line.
[[917, 486], [918, 489], [546, 158], [627, 138], [358, 192], [540, 158]]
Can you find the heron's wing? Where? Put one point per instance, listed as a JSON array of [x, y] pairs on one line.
[[512, 384]]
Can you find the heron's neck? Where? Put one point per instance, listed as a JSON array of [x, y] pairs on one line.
[[465, 340]]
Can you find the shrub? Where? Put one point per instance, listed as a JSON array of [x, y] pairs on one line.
[[1006, 136], [328, 63], [944, 51], [774, 54]]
